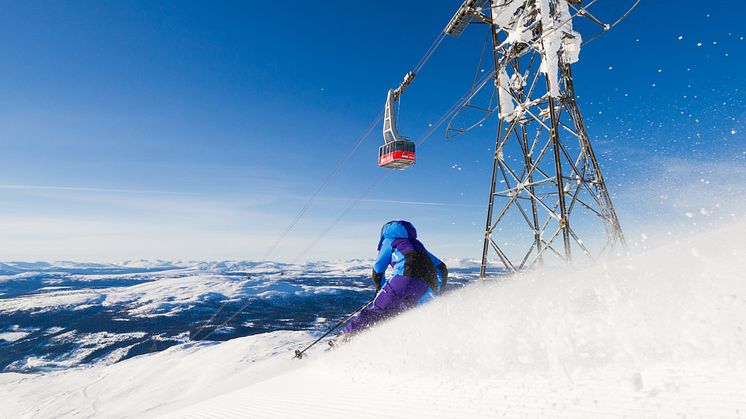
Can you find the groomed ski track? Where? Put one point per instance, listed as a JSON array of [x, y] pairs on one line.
[[656, 335], [665, 392]]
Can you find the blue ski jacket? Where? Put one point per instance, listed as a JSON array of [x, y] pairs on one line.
[[399, 248]]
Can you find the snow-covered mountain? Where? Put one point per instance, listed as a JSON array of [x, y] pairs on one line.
[[64, 314]]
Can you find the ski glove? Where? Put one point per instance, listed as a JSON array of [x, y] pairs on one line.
[[377, 280]]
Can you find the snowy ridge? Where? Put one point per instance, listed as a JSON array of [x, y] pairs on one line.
[[660, 334], [176, 286], [172, 287], [15, 268], [62, 315]]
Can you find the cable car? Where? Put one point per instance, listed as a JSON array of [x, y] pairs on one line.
[[397, 151], [396, 154]]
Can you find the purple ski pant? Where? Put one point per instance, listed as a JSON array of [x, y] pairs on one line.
[[399, 294]]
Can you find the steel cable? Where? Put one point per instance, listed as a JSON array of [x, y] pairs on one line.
[[425, 58], [323, 185], [424, 137], [428, 54]]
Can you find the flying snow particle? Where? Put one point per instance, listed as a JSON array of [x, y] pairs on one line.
[[637, 382], [699, 44], [703, 211], [680, 37], [689, 215], [732, 132]]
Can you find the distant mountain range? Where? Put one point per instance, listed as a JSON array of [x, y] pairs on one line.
[[63, 314]]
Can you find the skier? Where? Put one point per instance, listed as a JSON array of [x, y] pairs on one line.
[[417, 277]]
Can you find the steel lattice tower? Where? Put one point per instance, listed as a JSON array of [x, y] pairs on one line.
[[547, 193]]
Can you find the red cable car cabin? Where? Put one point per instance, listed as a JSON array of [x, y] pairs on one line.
[[397, 154]]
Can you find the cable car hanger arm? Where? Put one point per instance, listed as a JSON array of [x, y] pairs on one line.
[[390, 133]]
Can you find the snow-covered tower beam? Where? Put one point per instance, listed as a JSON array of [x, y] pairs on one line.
[[548, 199]]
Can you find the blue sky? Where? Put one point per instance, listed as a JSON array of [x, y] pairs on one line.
[[196, 130]]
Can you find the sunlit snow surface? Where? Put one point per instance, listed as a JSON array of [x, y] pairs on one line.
[[67, 314], [659, 334]]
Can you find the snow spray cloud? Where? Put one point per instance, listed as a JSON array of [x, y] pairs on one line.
[[680, 307], [676, 303], [683, 197]]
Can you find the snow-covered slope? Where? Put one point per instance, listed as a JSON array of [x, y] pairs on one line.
[[659, 334], [148, 385]]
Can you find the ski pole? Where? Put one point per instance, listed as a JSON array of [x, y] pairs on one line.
[[299, 353]]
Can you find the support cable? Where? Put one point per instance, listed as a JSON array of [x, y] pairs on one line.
[[323, 185], [420, 64], [425, 136], [425, 58]]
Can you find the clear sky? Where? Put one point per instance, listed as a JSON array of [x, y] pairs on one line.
[[198, 130]]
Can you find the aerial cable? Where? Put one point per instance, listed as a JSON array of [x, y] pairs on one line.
[[342, 215], [607, 27], [582, 11], [463, 100], [298, 216], [425, 136], [425, 58], [303, 210], [323, 185], [534, 44], [560, 26], [430, 49]]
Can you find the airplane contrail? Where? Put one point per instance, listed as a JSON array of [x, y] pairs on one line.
[[88, 189]]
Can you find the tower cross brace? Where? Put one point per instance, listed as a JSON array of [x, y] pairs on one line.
[[547, 192]]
